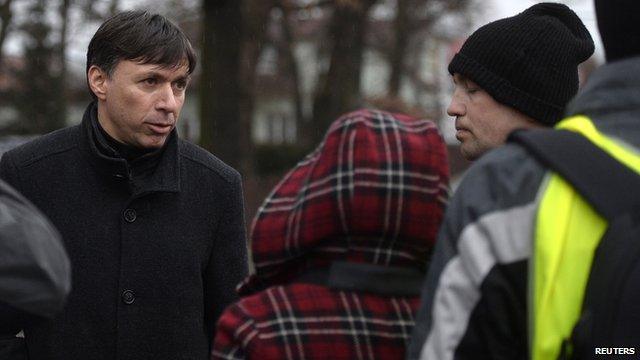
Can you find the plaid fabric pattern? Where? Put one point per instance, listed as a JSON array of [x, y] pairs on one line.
[[372, 192], [302, 321]]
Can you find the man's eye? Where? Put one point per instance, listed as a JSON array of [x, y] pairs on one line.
[[181, 85], [150, 81], [472, 90]]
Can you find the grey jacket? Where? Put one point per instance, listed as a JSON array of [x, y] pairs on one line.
[[475, 298], [35, 275]]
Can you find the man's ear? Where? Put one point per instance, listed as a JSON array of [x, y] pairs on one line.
[[97, 79]]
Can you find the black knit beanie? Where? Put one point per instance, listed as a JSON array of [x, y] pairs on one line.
[[528, 61], [618, 24]]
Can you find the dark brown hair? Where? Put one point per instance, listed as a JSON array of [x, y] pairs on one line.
[[140, 36]]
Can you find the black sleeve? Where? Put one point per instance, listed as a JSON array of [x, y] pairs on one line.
[[228, 262], [498, 325]]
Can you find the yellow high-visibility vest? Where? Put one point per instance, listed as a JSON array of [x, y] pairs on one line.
[[568, 231]]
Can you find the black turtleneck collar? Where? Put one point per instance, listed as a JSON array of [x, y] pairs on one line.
[[116, 148], [145, 169]]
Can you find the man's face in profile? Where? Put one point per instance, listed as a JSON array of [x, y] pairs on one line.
[[482, 123]]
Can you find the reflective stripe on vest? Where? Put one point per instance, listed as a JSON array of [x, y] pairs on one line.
[[568, 231]]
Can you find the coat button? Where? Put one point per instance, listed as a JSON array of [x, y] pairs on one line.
[[128, 297], [130, 215]]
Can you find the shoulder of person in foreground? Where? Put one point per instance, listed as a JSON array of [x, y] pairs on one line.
[[228, 262], [201, 157], [35, 273], [41, 147], [488, 225]]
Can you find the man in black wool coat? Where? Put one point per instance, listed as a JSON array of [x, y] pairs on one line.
[[153, 225]]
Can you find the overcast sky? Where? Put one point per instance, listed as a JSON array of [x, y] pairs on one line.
[[495, 9]]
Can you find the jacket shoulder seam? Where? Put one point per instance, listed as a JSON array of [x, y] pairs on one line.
[[226, 177], [31, 161]]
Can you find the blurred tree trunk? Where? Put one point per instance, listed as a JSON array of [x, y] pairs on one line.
[[220, 126], [63, 11], [398, 53], [256, 21], [39, 75], [234, 34], [6, 15], [339, 88], [288, 51]]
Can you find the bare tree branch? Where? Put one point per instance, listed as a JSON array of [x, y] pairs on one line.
[[287, 50], [401, 39], [6, 16], [339, 89], [63, 11], [114, 7]]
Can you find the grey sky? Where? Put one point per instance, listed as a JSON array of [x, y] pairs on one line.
[[492, 10]]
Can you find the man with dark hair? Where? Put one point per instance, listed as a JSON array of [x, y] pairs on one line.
[[516, 73], [153, 225], [509, 275]]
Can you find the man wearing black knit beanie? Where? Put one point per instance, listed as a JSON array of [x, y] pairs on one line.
[[526, 265], [517, 72]]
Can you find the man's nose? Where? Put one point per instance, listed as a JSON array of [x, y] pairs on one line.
[[456, 107], [167, 100]]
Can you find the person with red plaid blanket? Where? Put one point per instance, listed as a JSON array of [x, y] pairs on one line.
[[341, 245]]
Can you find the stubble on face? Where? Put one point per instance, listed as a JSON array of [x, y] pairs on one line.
[[482, 123], [143, 102]]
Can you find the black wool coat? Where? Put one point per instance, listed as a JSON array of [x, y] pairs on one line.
[[154, 261]]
